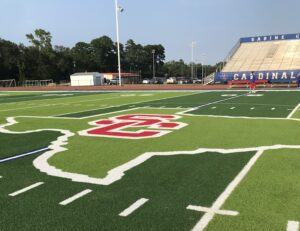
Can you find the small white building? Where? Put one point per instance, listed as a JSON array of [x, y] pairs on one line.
[[86, 79]]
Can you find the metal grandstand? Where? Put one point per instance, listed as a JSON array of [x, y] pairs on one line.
[[272, 57]]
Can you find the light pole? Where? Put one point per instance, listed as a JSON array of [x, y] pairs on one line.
[[153, 54], [202, 66], [74, 66], [118, 10], [192, 65], [196, 69]]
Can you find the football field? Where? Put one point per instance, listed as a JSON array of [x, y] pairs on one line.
[[193, 160]]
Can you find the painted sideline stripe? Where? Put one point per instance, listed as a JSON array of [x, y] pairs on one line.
[[292, 226], [23, 154], [26, 189], [75, 197], [133, 207]]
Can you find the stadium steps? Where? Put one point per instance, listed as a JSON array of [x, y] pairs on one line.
[[273, 55]]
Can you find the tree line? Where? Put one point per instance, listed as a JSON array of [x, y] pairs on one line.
[[41, 60]]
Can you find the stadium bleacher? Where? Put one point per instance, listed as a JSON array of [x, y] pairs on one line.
[[275, 58]]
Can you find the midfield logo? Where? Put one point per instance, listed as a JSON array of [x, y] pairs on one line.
[[115, 127]]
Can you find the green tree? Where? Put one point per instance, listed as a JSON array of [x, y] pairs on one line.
[[103, 55], [41, 61], [159, 57], [135, 56], [41, 40], [9, 59], [82, 57], [176, 69], [63, 63], [40, 55]]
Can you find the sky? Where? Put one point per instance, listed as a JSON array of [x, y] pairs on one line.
[[216, 25]]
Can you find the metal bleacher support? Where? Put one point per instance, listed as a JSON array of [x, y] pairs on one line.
[[209, 79]]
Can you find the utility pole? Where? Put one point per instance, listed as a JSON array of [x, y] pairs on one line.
[[118, 9]]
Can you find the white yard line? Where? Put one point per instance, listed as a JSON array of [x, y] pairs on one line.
[[207, 217], [293, 112], [63, 115], [133, 207], [207, 104], [15, 109], [159, 108], [292, 226], [241, 117], [75, 197], [47, 117], [108, 113], [114, 112], [207, 210], [26, 189], [140, 102], [56, 104], [258, 104], [66, 98]]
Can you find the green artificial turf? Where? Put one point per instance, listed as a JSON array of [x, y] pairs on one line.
[[270, 104], [40, 96], [250, 110], [188, 101], [97, 111], [170, 184], [80, 103], [12, 144], [268, 197]]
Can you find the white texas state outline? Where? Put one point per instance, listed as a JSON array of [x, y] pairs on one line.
[[115, 174]]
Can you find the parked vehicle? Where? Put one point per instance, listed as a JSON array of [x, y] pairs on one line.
[[171, 80], [114, 82], [146, 81]]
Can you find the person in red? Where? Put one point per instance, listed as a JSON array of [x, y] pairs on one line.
[[252, 82]]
